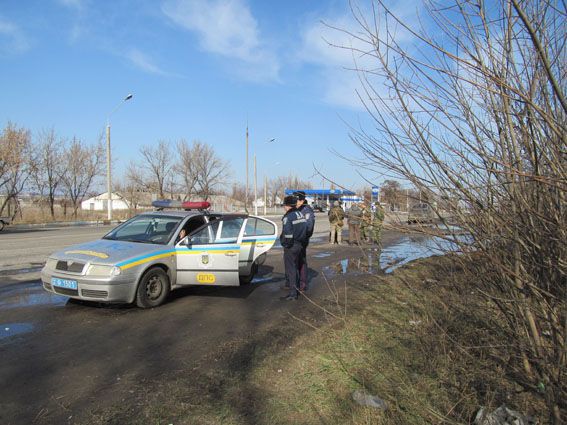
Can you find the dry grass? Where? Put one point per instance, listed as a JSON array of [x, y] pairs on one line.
[[422, 340]]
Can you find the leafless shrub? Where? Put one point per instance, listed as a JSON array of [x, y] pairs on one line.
[[471, 105]]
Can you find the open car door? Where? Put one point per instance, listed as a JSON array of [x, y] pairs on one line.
[[259, 236], [209, 256]]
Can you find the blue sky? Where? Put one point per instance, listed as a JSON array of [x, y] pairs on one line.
[[197, 69]]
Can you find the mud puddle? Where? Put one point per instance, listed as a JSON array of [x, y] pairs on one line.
[[322, 255], [408, 249], [26, 295], [8, 330]]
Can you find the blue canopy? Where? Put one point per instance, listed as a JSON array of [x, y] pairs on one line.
[[321, 192]]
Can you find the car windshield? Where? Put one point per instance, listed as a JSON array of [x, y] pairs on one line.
[[146, 228]]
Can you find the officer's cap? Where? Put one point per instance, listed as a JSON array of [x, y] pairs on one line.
[[290, 201], [300, 194]]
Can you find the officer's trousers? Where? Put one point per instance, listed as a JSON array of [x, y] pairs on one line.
[[291, 264], [303, 270]]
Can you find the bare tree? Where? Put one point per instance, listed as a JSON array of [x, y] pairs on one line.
[[186, 166], [156, 164], [472, 106], [212, 171], [278, 185], [47, 166], [83, 164], [15, 148]]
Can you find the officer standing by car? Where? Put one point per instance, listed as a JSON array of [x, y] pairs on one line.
[[293, 237], [309, 216]]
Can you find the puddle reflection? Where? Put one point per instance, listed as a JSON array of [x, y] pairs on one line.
[[390, 258], [8, 330], [26, 295]]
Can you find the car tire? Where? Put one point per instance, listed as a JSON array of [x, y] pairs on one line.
[[153, 288], [245, 280], [1, 225]]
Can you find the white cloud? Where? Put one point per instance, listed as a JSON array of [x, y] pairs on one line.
[[73, 4], [227, 28], [337, 46], [144, 62], [12, 38]]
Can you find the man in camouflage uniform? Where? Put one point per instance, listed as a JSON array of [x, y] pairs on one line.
[[336, 217], [365, 224], [377, 222], [354, 218]]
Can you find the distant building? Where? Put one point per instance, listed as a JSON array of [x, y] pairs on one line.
[[99, 202]]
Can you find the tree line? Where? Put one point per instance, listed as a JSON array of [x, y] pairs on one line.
[[52, 167]]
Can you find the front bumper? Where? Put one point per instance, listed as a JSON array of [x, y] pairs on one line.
[[117, 289]]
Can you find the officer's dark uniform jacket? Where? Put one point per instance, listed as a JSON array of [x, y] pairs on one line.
[[309, 215], [294, 228]]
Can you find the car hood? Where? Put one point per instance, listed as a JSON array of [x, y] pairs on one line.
[[105, 251]]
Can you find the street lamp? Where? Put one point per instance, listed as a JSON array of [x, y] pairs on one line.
[[108, 177], [256, 183]]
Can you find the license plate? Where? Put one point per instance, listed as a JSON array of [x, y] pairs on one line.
[[64, 283]]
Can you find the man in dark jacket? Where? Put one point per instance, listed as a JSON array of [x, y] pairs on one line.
[[309, 215], [294, 235]]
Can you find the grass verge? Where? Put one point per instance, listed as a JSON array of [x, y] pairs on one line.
[[421, 339]]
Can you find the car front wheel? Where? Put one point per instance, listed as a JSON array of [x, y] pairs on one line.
[[153, 288]]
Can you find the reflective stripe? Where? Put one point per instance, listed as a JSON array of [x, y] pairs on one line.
[[288, 236], [301, 220]]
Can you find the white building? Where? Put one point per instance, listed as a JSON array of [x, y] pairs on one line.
[[98, 203]]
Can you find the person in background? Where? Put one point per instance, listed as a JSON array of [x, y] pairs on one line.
[[292, 238], [365, 224], [336, 222], [309, 216], [377, 222], [354, 218]]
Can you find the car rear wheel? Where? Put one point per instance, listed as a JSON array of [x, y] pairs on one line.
[[1, 225], [245, 280], [153, 288]]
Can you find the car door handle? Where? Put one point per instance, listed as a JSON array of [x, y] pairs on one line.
[[229, 254]]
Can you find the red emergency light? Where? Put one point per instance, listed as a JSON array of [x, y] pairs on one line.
[[167, 203], [201, 205]]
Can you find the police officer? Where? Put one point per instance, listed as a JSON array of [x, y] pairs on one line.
[[309, 216], [293, 237]]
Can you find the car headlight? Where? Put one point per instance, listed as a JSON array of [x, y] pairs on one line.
[[51, 263], [102, 270]]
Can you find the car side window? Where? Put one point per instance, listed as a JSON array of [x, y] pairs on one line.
[[258, 227], [206, 235], [230, 230], [218, 231]]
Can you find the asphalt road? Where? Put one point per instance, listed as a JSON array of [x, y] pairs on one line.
[[62, 360]]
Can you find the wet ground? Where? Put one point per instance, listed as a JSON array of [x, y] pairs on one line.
[[63, 360]]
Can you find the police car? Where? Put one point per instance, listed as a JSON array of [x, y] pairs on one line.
[[146, 257]]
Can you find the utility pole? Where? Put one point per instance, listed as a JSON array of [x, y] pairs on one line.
[[255, 188], [265, 195], [246, 195]]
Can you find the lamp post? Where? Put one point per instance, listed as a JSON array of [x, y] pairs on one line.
[[256, 179], [108, 175]]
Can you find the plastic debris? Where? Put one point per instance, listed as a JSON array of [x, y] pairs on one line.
[[502, 416], [365, 399]]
